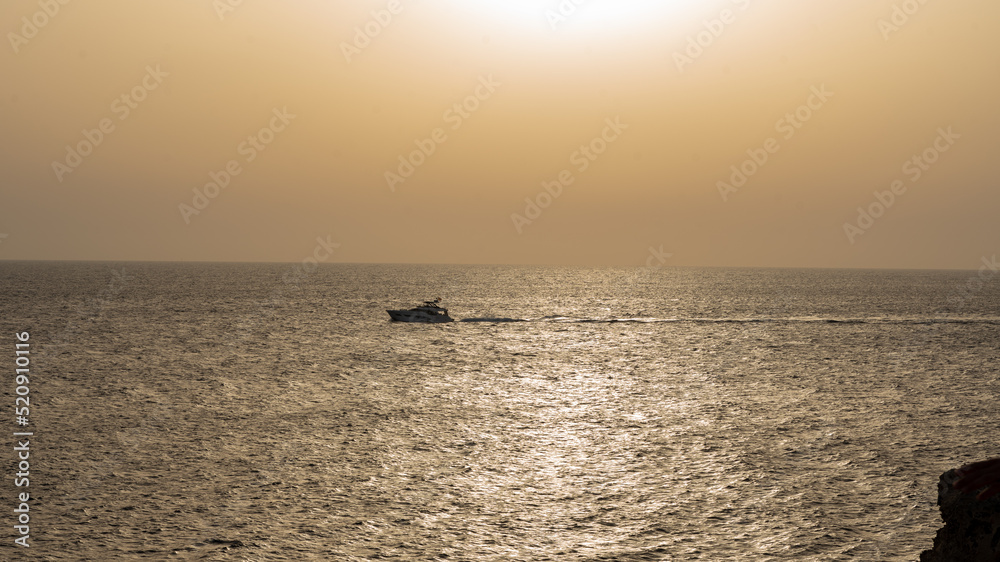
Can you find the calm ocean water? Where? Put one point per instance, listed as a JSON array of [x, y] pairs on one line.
[[249, 412]]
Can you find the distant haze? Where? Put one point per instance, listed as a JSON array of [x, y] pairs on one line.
[[732, 133]]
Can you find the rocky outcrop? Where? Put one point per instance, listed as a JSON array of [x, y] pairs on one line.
[[971, 531]]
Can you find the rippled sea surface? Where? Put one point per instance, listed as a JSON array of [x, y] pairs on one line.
[[254, 412]]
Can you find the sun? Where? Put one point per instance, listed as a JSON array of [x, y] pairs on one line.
[[581, 14]]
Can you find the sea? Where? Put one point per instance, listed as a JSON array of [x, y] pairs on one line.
[[224, 411]]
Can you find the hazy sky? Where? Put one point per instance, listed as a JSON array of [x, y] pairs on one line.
[[729, 132]]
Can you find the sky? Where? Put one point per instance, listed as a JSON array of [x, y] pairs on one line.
[[763, 133]]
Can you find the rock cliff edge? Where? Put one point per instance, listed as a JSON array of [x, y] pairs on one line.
[[971, 531]]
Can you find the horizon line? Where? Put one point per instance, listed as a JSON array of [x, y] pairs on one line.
[[593, 266]]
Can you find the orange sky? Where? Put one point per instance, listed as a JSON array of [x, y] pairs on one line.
[[419, 131]]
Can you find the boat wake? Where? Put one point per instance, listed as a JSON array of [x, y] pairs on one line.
[[747, 320]]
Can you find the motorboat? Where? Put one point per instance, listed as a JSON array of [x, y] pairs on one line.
[[427, 312]]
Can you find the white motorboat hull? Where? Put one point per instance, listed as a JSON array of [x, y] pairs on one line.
[[418, 316]]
